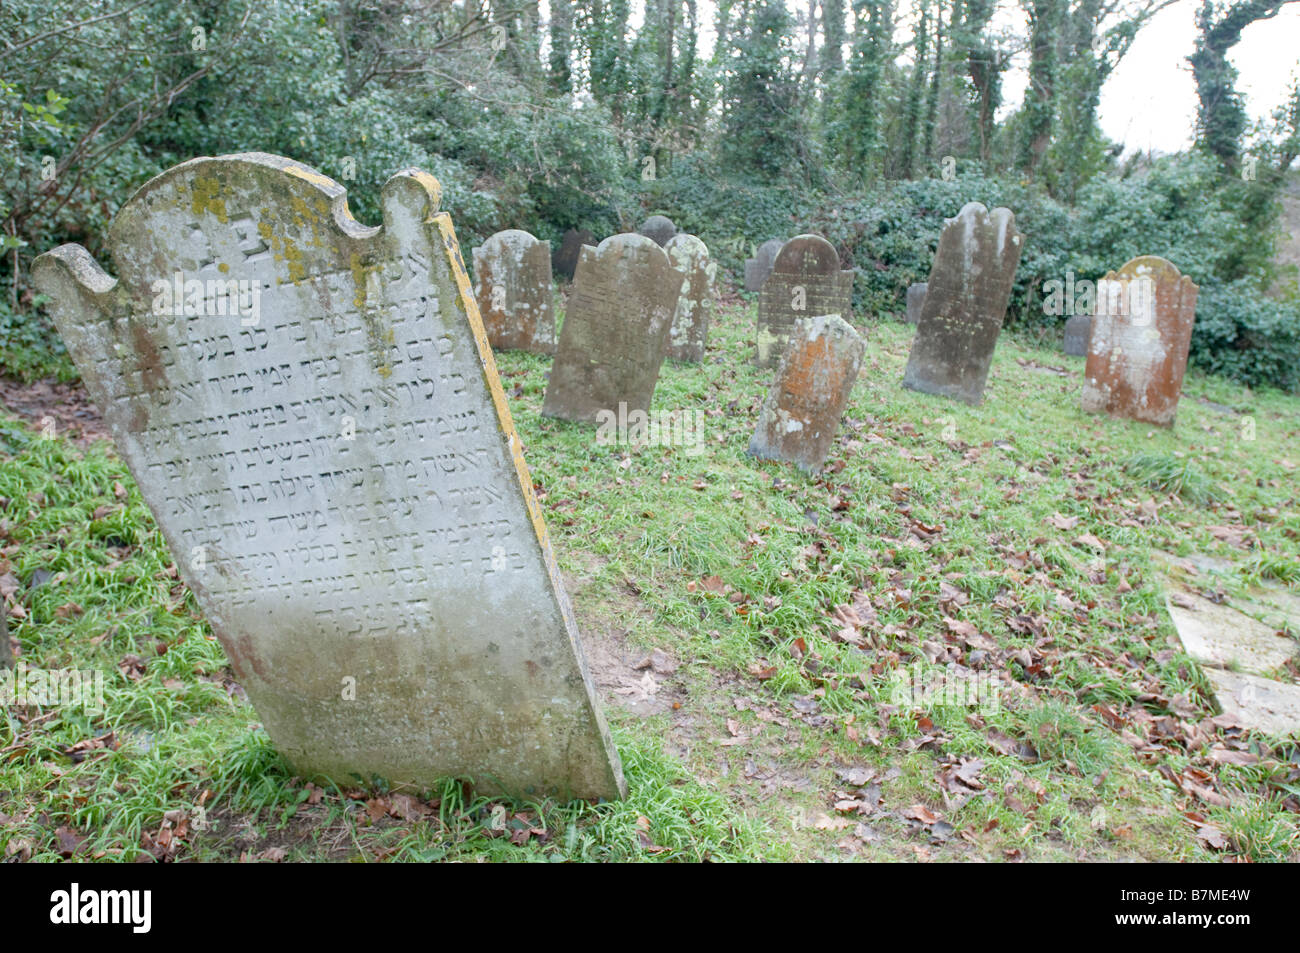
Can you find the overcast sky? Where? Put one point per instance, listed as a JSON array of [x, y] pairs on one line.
[[1149, 102]]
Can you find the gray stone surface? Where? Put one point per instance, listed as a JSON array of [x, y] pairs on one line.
[[760, 266], [1257, 703], [615, 333], [1220, 636], [566, 259], [802, 410], [512, 283], [915, 301], [658, 228], [965, 302], [1078, 328], [690, 329], [806, 280], [336, 473]]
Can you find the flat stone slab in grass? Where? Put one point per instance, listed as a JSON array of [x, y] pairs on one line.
[[812, 387], [805, 280], [965, 302], [915, 301], [1141, 333], [566, 259], [512, 283], [615, 334], [658, 228], [1258, 703], [309, 408], [1221, 636], [760, 266], [690, 329]]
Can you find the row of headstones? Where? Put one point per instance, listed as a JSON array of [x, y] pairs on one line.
[[310, 410], [1136, 339], [612, 356], [617, 331], [512, 282]]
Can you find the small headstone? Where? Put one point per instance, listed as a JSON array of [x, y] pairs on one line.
[[1142, 331], [566, 260], [805, 280], [915, 301], [690, 330], [309, 408], [812, 387], [965, 302], [659, 228], [760, 266], [512, 282], [1078, 328], [615, 334]]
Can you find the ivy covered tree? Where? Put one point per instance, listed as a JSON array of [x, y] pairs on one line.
[[762, 134]]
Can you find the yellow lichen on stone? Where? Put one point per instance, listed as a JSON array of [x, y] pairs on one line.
[[205, 198], [312, 176]]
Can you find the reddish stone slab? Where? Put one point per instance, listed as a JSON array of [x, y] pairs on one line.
[[1141, 333], [812, 387], [512, 282]]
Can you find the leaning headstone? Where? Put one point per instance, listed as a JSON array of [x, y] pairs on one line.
[[615, 334], [659, 228], [1078, 328], [1142, 331], [566, 260], [803, 406], [690, 330], [760, 266], [805, 280], [309, 408], [915, 301], [512, 282], [965, 302]]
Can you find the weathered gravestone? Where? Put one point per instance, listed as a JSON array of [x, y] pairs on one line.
[[512, 282], [965, 302], [805, 280], [309, 408], [615, 332], [570, 248], [760, 266], [1077, 330], [1137, 354], [803, 406], [690, 329], [915, 301], [659, 228]]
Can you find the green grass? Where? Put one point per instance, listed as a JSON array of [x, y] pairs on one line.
[[1024, 518]]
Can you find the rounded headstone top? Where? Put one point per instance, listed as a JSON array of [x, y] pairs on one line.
[[630, 242], [807, 254], [658, 227], [683, 245], [511, 237]]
